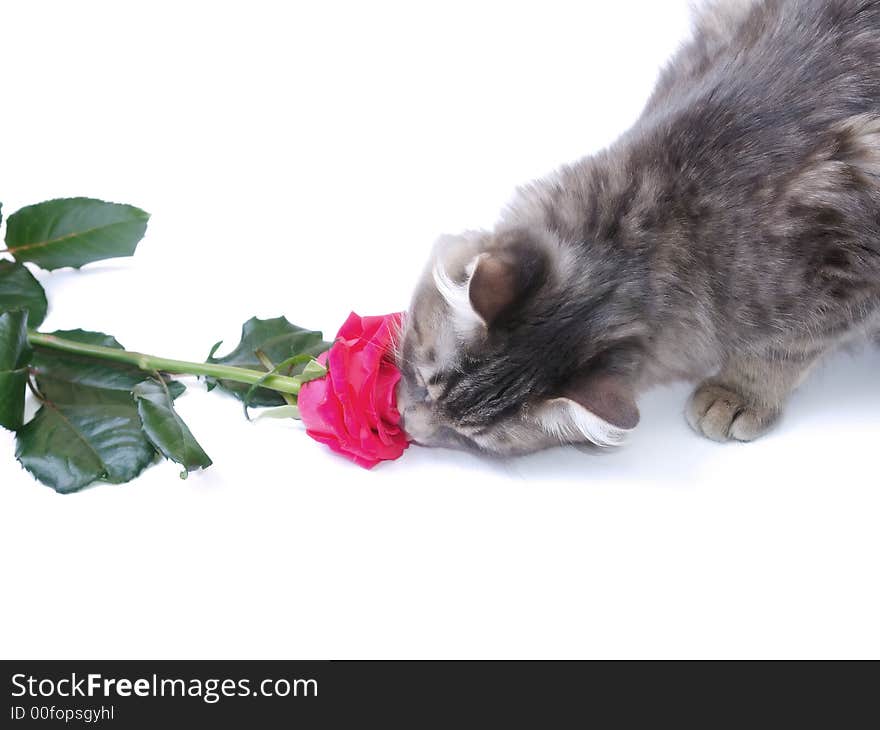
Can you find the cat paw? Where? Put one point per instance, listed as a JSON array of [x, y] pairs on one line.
[[722, 414]]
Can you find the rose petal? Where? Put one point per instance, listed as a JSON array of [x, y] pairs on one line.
[[353, 409]]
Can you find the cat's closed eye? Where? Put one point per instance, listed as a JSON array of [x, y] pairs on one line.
[[436, 385], [431, 382]]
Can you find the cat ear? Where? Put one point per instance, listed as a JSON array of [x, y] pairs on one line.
[[492, 287], [597, 407], [495, 281], [501, 278]]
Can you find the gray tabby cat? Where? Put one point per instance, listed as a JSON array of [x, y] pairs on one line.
[[731, 237]]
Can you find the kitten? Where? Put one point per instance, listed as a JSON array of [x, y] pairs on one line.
[[732, 236]]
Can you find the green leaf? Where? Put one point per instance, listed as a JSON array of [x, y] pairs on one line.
[[20, 290], [279, 341], [15, 354], [280, 412], [165, 429], [312, 371], [88, 427], [74, 232]]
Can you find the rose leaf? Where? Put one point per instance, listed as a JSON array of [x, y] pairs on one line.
[[278, 341], [20, 290], [88, 427], [165, 428], [15, 354], [74, 232]]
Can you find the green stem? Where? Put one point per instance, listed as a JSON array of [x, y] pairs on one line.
[[150, 363]]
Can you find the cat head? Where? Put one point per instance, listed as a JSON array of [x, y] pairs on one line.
[[512, 344]]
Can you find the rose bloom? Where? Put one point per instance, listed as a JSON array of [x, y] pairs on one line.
[[354, 408]]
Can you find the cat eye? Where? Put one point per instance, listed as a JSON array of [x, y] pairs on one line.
[[420, 378], [437, 384], [422, 390]]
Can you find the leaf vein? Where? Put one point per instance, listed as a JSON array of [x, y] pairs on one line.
[[67, 236]]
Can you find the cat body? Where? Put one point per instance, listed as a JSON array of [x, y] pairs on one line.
[[731, 237]]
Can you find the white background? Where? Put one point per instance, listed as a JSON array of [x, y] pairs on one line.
[[300, 159]]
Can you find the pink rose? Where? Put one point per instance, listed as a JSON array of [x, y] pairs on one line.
[[354, 408]]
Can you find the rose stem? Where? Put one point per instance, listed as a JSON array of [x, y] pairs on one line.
[[150, 363]]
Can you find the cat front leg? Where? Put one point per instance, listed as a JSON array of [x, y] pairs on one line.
[[746, 399]]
